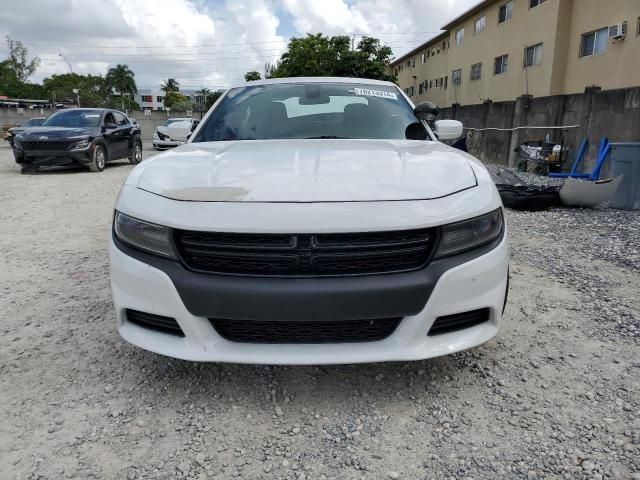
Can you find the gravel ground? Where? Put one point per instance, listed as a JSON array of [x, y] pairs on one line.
[[555, 395]]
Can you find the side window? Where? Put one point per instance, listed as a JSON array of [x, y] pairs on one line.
[[108, 118], [120, 118]]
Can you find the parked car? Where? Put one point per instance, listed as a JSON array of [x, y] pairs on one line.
[[85, 136], [311, 221], [174, 132], [31, 122]]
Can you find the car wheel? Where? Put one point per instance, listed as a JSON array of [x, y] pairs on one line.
[[136, 154], [99, 159]]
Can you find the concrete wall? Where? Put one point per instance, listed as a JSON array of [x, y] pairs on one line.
[[148, 123], [611, 113]]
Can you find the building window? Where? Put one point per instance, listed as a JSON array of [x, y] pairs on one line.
[[424, 58], [638, 30], [430, 83], [505, 12], [395, 72], [412, 91], [413, 63], [595, 42], [159, 99], [446, 81], [147, 98], [456, 77], [478, 25], [533, 55], [500, 64], [426, 86], [476, 71], [459, 36], [535, 3]]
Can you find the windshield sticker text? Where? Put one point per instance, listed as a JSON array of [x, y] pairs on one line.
[[375, 93]]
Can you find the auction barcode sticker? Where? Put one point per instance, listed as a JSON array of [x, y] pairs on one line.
[[375, 93]]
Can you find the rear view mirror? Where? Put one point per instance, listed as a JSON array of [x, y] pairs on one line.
[[314, 100], [426, 111], [448, 129]]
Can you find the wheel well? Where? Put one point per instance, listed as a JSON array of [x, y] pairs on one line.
[[103, 144]]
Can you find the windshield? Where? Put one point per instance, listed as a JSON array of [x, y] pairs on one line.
[[312, 110], [73, 118], [33, 122]]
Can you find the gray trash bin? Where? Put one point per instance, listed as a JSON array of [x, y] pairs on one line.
[[625, 160]]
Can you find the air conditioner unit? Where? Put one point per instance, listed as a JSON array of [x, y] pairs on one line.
[[618, 30]]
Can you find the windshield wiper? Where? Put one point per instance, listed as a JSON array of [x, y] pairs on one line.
[[325, 136]]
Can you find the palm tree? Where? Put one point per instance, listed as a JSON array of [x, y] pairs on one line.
[[170, 85], [201, 97], [121, 77]]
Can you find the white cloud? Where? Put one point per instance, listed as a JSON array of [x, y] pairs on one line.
[[200, 43]]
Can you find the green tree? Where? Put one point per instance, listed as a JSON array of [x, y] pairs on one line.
[[18, 63], [94, 90], [212, 98], [251, 76], [322, 56], [170, 85], [121, 78], [177, 101]]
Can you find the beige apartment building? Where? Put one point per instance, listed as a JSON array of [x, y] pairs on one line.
[[499, 50]]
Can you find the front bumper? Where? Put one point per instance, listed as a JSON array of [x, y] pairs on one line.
[[477, 283], [164, 144], [56, 157]]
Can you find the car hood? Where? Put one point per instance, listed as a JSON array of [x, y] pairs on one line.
[[52, 133], [175, 133], [307, 171]]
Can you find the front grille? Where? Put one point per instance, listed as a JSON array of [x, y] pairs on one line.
[[305, 254], [48, 146], [459, 321], [155, 322], [344, 331]]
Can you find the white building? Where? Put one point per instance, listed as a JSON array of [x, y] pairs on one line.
[[150, 99]]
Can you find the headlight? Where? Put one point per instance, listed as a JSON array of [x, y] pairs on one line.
[[155, 136], [143, 235], [469, 234], [81, 144]]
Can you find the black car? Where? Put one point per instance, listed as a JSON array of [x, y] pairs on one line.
[[31, 122], [85, 136]]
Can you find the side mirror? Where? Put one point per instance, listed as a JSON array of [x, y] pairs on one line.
[[110, 126], [448, 129], [426, 111]]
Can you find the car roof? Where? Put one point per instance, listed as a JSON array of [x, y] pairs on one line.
[[360, 81]]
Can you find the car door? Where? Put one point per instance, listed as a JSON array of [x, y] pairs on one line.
[[111, 136], [124, 134]]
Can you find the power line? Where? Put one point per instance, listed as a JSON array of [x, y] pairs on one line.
[[71, 45], [189, 53]]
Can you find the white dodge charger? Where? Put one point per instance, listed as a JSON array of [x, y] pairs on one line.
[[310, 221]]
